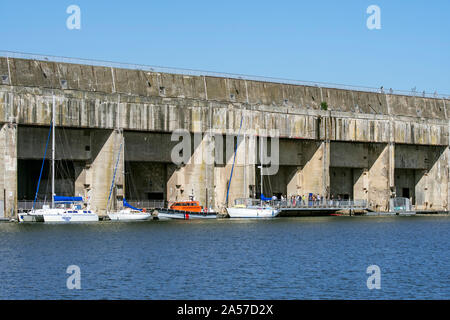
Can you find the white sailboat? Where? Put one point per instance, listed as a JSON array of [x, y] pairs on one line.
[[252, 208], [62, 209], [128, 215], [128, 212], [252, 211]]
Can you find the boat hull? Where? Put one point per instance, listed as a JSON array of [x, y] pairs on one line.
[[129, 216], [25, 217], [66, 218], [58, 216], [173, 214], [257, 212]]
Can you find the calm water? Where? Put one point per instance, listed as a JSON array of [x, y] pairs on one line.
[[286, 258]]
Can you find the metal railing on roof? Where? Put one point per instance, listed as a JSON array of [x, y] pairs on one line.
[[193, 72]]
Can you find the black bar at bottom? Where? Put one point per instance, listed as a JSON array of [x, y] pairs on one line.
[[223, 309]]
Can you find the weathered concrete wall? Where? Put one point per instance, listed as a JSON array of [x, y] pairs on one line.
[[368, 134], [146, 146], [376, 178], [94, 180], [145, 180], [370, 171], [424, 170], [241, 173], [130, 99], [437, 182], [8, 169], [71, 144], [315, 172], [343, 181], [195, 177]]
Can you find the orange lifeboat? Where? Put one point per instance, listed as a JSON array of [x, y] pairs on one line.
[[189, 206]]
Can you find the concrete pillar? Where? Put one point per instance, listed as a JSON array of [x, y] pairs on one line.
[[175, 184], [243, 182], [250, 166], [420, 183], [294, 184], [447, 165], [360, 184], [80, 169], [196, 177], [391, 152], [447, 168], [209, 158], [436, 188], [94, 180], [326, 169], [237, 188], [316, 170], [391, 171], [8, 170], [290, 167], [380, 175], [223, 171]]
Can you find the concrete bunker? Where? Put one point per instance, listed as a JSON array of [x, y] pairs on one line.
[[419, 175]]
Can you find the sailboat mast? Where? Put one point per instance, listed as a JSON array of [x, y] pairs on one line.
[[53, 152], [245, 163], [115, 170], [261, 171]]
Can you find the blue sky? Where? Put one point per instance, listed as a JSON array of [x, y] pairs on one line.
[[325, 41]]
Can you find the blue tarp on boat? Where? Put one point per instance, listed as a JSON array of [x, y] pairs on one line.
[[67, 199], [264, 198], [126, 204]]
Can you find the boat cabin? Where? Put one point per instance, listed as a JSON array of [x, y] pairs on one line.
[[190, 206]]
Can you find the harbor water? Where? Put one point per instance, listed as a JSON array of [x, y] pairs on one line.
[[284, 258]]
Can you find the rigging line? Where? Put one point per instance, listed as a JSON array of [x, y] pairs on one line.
[[59, 164], [67, 157], [130, 178], [42, 167], [63, 162], [234, 160], [128, 184], [270, 184], [47, 187], [114, 176], [134, 189]]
